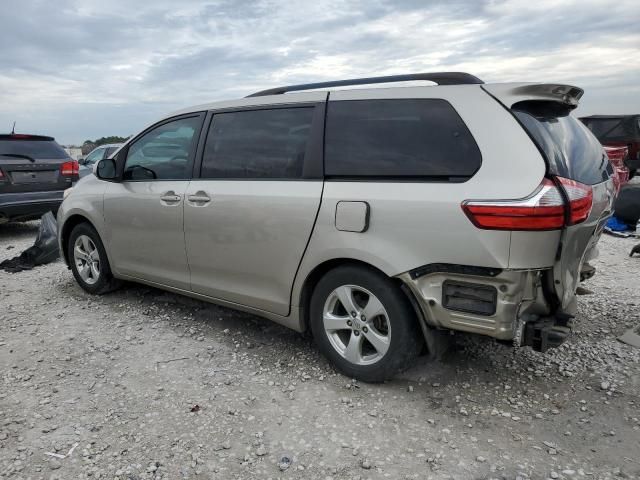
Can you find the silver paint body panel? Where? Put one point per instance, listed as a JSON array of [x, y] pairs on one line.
[[245, 245]]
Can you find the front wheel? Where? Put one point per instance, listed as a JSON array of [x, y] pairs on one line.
[[363, 323], [88, 260]]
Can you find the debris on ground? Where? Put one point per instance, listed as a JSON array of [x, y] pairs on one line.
[[284, 462], [44, 250]]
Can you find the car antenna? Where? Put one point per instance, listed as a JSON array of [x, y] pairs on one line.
[[13, 129]]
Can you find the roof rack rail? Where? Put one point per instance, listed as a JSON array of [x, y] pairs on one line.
[[441, 78]]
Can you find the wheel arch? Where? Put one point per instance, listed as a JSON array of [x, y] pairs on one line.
[[68, 226], [314, 276]]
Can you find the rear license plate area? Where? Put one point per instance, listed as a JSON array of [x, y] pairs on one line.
[[44, 176]]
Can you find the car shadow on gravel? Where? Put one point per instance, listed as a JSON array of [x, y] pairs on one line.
[[209, 322], [276, 344]]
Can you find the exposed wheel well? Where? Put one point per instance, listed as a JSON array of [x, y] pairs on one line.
[[314, 277], [68, 227]]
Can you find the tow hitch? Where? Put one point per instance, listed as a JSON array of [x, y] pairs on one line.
[[547, 332]]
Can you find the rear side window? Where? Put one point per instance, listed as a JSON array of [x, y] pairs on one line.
[[570, 149], [37, 149], [398, 138], [258, 144]]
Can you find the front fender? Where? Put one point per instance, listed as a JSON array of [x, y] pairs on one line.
[[86, 201]]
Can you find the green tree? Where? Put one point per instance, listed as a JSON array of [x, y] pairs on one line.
[[105, 140]]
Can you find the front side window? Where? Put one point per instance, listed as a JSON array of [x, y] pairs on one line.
[[398, 138], [165, 152], [258, 144]]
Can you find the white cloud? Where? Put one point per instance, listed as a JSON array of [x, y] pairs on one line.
[[79, 69]]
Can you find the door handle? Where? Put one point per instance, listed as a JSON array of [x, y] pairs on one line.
[[170, 197], [199, 198]]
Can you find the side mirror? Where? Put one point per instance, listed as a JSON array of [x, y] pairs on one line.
[[105, 169], [81, 161]]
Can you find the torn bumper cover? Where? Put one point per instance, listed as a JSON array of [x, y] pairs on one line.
[[503, 304]]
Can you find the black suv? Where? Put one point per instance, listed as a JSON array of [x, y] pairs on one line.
[[34, 172]]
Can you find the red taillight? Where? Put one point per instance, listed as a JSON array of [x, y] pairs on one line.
[[542, 210], [70, 168], [580, 199]]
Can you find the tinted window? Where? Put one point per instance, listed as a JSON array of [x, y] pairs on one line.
[[94, 156], [623, 129], [38, 149], [398, 138], [164, 153], [571, 150], [110, 151], [257, 144]]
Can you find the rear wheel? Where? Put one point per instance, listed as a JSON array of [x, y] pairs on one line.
[[88, 260], [363, 323]]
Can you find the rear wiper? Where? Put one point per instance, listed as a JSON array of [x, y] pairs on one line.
[[18, 155]]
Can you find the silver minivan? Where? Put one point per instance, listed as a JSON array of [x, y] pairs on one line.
[[378, 219]]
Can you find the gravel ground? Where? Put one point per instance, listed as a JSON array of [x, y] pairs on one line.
[[142, 384]]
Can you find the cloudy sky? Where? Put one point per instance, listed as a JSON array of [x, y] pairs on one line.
[[80, 69]]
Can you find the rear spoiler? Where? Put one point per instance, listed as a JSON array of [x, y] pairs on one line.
[[511, 93], [25, 136]]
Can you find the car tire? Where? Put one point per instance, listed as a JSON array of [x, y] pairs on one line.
[[373, 348], [89, 263]]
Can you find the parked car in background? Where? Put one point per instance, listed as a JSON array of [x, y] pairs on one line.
[[34, 172], [378, 219], [618, 131], [618, 157], [98, 153]]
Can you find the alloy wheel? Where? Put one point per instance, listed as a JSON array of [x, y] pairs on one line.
[[87, 259], [357, 324]]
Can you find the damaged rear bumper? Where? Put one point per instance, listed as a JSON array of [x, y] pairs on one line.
[[504, 304]]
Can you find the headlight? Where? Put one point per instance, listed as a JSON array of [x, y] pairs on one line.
[[66, 193]]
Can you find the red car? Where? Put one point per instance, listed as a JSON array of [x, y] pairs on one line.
[[617, 157], [618, 131]]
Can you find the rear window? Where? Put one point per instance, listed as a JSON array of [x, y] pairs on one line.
[[570, 149], [623, 129], [419, 138], [37, 149]]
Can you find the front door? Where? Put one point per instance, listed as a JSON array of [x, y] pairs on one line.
[[144, 212], [249, 216]]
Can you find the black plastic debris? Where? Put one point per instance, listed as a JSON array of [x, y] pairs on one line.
[[627, 205], [44, 250]]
